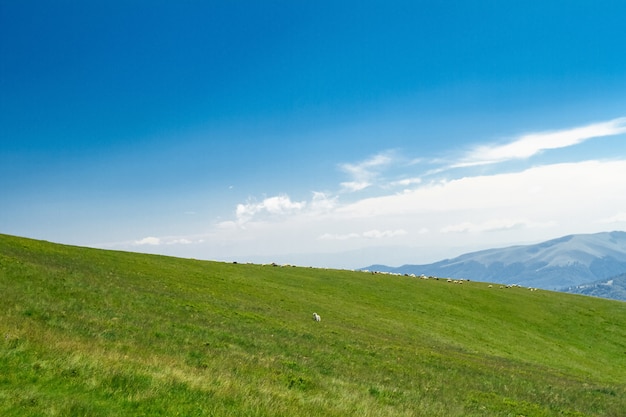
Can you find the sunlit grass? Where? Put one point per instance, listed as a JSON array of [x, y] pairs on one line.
[[91, 332]]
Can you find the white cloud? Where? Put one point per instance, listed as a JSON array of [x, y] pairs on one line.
[[276, 206], [533, 143], [150, 240], [279, 208]]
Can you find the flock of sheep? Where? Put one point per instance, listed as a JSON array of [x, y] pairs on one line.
[[454, 281]]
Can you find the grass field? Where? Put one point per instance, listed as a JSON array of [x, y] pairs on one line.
[[86, 332]]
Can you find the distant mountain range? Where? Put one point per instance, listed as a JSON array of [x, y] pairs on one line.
[[558, 264]]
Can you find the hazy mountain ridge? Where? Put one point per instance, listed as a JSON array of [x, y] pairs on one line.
[[565, 262]]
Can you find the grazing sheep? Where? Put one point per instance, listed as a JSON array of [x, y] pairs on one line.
[[316, 317]]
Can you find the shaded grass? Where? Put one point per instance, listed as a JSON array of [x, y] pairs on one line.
[[91, 332]]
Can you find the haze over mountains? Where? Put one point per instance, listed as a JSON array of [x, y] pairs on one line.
[[557, 264]]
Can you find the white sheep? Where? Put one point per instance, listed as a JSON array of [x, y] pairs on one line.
[[316, 317]]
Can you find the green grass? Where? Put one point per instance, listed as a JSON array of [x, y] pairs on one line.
[[86, 332]]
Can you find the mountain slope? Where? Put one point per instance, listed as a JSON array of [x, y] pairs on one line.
[[567, 261], [614, 288], [103, 333]]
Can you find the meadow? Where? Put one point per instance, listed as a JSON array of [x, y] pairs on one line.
[[88, 332]]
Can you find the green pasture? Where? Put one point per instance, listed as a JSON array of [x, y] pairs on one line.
[[87, 332]]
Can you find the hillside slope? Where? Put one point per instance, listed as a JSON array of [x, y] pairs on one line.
[[564, 262], [99, 333]]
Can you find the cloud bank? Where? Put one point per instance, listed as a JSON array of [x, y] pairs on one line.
[[432, 214]]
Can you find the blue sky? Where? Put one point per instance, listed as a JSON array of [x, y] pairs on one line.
[[325, 133]]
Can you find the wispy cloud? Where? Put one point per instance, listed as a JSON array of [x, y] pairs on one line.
[[534, 143], [363, 173], [405, 182], [352, 186], [493, 225]]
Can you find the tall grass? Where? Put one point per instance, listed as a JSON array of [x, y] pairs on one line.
[[103, 333]]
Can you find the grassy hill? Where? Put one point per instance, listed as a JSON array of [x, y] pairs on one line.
[[86, 332]]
